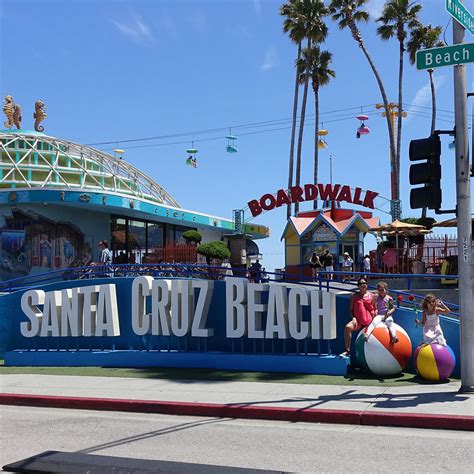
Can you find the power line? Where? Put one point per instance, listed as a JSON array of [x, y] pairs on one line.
[[247, 125], [310, 121], [429, 108]]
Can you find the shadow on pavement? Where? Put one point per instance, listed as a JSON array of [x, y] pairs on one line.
[[151, 434], [382, 400]]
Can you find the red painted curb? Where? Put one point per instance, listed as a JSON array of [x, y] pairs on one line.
[[310, 415], [418, 420]]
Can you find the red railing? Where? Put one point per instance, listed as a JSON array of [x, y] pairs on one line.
[[426, 258], [173, 254]]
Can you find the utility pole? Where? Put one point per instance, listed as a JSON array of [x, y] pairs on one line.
[[463, 200]]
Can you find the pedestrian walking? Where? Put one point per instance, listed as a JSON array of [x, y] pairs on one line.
[[329, 264], [347, 264]]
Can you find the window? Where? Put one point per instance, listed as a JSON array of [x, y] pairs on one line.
[[155, 236], [137, 240]]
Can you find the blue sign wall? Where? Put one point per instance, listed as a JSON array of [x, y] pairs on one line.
[[217, 351]]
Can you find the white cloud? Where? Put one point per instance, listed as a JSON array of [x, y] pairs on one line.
[[423, 95], [136, 29], [257, 4], [375, 7], [271, 59]]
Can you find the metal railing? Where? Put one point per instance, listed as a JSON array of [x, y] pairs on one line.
[[339, 281]]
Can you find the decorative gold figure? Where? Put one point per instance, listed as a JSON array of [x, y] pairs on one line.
[[12, 112], [39, 115]]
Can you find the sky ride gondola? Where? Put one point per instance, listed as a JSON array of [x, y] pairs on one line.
[[191, 160], [322, 144], [231, 146], [363, 129]]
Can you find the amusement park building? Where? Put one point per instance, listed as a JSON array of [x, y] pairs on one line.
[[58, 199], [333, 229]]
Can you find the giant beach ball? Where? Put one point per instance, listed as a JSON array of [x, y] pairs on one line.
[[434, 361], [381, 356]]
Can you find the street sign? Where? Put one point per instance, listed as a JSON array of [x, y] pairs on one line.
[[446, 56], [460, 13]]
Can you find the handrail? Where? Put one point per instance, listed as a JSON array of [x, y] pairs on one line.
[[174, 270]]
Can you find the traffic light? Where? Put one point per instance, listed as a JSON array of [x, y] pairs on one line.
[[428, 173]]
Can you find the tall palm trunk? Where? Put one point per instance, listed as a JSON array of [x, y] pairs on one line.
[[293, 132], [301, 130], [393, 161], [400, 115], [316, 130], [433, 117]]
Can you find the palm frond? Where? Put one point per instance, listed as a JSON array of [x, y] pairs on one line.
[[386, 32]]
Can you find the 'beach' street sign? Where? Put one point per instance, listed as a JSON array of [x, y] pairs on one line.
[[445, 56]]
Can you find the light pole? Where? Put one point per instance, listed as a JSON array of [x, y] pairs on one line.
[[330, 169], [395, 204]]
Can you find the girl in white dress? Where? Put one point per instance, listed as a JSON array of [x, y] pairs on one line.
[[432, 308]]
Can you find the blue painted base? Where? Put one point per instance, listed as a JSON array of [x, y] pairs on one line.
[[306, 364]]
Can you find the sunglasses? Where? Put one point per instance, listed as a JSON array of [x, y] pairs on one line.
[[361, 284]]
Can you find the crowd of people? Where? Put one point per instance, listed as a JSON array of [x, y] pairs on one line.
[[323, 262]]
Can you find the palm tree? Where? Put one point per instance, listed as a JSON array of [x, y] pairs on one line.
[[294, 27], [311, 14], [348, 13], [316, 62], [397, 15], [424, 37]]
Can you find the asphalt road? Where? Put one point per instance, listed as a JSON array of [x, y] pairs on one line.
[[254, 444]]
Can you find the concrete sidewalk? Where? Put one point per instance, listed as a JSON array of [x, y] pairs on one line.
[[434, 406]]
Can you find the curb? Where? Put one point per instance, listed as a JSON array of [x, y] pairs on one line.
[[310, 415]]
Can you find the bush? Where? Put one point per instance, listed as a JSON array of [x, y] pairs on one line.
[[216, 249], [192, 236]]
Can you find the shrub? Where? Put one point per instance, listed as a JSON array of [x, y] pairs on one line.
[[192, 236], [215, 249]]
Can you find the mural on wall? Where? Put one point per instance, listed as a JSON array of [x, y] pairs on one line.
[[34, 245], [13, 255], [321, 239]]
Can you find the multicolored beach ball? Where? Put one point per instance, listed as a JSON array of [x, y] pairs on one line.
[[434, 362], [381, 356]]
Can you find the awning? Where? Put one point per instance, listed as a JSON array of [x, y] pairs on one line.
[[252, 248]]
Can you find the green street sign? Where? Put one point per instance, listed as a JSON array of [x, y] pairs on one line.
[[460, 13], [447, 56]]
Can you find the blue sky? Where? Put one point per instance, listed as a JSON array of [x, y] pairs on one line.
[[116, 70]]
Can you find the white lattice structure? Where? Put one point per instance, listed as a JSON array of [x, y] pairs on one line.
[[36, 161]]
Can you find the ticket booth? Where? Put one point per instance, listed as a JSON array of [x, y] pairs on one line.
[[336, 230]]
